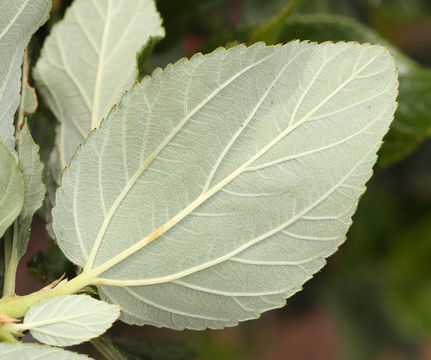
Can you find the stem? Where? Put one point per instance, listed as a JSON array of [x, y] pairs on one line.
[[11, 261], [6, 336], [17, 306]]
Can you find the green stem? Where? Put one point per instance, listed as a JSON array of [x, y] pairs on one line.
[[11, 261], [17, 306], [6, 336]]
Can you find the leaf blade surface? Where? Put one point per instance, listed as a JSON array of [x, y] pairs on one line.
[[33, 351], [20, 19], [34, 189], [89, 60], [69, 320], [11, 188], [219, 185]]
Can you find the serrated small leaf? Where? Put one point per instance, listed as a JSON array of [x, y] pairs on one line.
[[19, 20], [34, 193], [89, 60], [19, 351], [217, 187], [69, 320], [11, 188]]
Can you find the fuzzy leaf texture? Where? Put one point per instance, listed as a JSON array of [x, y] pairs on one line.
[[18, 351], [69, 320], [11, 188], [89, 60], [19, 19], [218, 186]]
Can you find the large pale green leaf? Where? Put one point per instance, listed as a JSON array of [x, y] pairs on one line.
[[69, 320], [18, 351], [89, 60], [32, 169], [11, 188], [217, 187], [19, 19]]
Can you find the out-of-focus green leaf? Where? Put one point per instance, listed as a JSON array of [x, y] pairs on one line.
[[408, 284], [270, 31], [401, 9], [146, 349]]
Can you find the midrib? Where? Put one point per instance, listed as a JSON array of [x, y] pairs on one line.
[[95, 108]]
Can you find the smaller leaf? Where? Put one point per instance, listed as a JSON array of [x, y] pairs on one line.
[[11, 188], [69, 320], [33, 352], [34, 193]]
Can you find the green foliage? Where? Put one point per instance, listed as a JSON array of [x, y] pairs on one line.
[[212, 190]]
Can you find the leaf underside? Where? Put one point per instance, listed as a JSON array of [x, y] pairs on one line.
[[69, 320], [89, 60], [34, 189], [36, 352], [11, 188], [20, 19], [217, 187]]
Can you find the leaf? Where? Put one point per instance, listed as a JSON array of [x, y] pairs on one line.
[[34, 193], [151, 349], [69, 320], [36, 352], [412, 121], [217, 187], [89, 60], [19, 21], [11, 188]]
